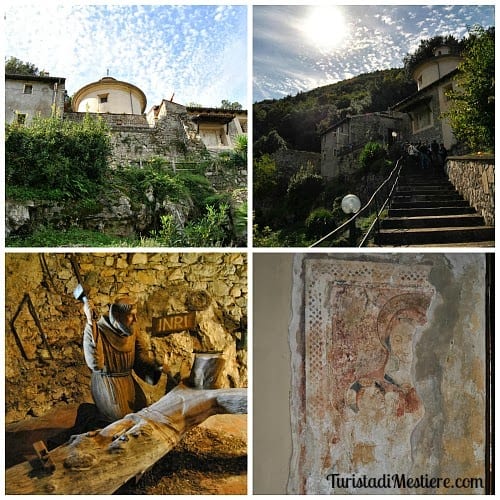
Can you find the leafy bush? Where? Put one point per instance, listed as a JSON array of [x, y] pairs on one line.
[[370, 156], [53, 154], [199, 187], [320, 222], [153, 179], [303, 189], [212, 230]]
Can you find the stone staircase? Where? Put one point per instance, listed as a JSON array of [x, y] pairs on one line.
[[426, 210]]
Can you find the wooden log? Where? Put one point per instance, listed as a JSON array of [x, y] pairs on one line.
[[99, 462]]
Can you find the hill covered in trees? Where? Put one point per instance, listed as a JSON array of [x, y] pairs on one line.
[[296, 122]]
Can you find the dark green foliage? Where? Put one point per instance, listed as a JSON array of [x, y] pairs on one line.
[[299, 121], [320, 222], [472, 106], [56, 155], [371, 156], [269, 191], [269, 143], [198, 188], [304, 187], [265, 177], [157, 182], [427, 48], [14, 66]]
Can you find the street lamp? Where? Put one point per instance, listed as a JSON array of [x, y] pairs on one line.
[[350, 205]]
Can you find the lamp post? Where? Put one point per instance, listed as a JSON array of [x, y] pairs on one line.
[[350, 205]]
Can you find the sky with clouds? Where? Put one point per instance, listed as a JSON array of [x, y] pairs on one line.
[[197, 52], [300, 47]]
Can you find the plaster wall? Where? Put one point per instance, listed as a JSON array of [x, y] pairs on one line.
[[38, 103], [118, 101], [434, 69], [449, 362]]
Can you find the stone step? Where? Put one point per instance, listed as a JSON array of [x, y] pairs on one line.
[[427, 190], [428, 204], [421, 179], [435, 236], [465, 220], [429, 211], [469, 244], [427, 197]]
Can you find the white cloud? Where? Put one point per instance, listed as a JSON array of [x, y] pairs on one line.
[[379, 38], [160, 49]]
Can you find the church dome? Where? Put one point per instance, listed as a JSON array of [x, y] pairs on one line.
[[109, 95]]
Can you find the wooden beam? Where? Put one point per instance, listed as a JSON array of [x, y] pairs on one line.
[[99, 462]]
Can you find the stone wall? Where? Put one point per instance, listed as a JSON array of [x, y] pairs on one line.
[[45, 373], [134, 141], [291, 160], [474, 178]]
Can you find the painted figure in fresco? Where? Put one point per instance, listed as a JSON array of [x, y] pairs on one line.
[[384, 405], [113, 348]]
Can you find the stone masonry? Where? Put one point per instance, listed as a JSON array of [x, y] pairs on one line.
[[474, 178], [42, 374], [135, 141]]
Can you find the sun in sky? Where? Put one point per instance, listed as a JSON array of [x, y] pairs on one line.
[[325, 26]]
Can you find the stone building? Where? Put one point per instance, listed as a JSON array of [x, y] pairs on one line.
[[343, 140], [417, 118], [435, 78], [169, 130], [217, 128], [27, 96], [109, 95]]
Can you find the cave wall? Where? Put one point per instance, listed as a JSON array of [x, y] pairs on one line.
[[44, 365]]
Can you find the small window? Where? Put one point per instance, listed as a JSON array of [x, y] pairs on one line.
[[28, 89], [103, 98], [21, 118]]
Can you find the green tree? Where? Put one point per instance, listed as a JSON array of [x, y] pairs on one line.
[[269, 144], [304, 188], [225, 104], [427, 48], [14, 66], [265, 176], [472, 107]]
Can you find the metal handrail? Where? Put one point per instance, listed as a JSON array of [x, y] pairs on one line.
[[395, 171]]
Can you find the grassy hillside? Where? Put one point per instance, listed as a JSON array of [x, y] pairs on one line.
[[299, 120]]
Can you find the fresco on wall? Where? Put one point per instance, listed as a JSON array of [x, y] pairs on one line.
[[358, 414]]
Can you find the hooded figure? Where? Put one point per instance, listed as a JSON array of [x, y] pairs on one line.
[[112, 349]]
